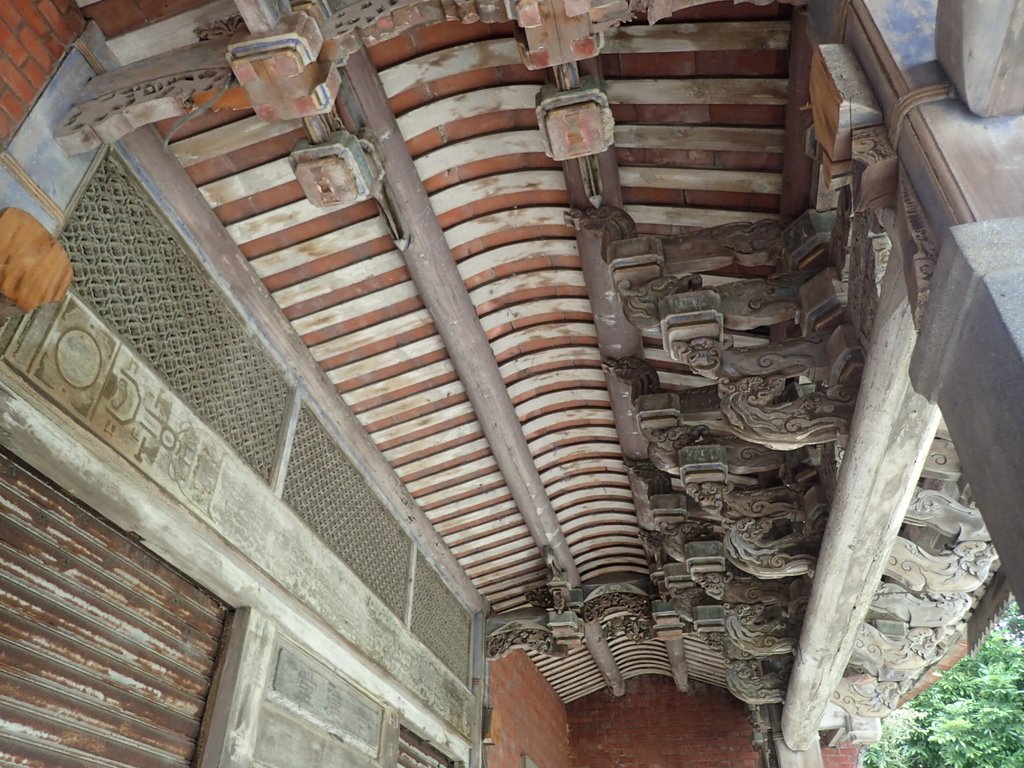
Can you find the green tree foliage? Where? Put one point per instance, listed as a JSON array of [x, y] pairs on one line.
[[972, 717]]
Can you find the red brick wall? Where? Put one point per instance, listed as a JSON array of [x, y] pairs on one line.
[[656, 726], [34, 34], [840, 757], [528, 717]]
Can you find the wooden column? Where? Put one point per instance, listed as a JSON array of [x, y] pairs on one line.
[[890, 436]]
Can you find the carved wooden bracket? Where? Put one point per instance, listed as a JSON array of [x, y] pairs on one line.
[[34, 269]]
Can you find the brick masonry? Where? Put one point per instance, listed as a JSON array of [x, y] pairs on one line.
[[34, 36], [656, 726], [840, 757], [529, 719]]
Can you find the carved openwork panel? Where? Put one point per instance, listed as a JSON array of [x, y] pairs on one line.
[[330, 495], [131, 268]]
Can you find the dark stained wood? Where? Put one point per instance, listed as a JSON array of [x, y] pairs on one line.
[[798, 168]]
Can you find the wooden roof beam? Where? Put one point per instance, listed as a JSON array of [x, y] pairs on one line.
[[436, 275], [616, 337]]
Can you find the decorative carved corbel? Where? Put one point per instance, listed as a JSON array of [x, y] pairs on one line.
[[935, 509], [655, 480], [750, 630], [964, 568], [641, 376], [896, 658], [927, 609], [755, 409], [115, 103], [639, 629], [609, 221], [525, 635], [918, 246], [748, 683], [747, 548], [867, 697], [612, 600]]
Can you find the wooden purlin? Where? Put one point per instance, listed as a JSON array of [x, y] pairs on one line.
[[432, 268]]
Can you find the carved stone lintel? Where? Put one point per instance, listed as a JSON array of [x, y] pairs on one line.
[[961, 569], [754, 409], [937, 510]]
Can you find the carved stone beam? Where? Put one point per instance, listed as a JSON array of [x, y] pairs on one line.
[[896, 658], [935, 509], [964, 568], [757, 409], [925, 609], [116, 103], [34, 269]]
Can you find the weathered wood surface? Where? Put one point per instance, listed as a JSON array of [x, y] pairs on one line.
[[709, 137], [723, 90], [233, 720], [223, 553], [34, 269], [980, 45], [841, 100], [890, 438]]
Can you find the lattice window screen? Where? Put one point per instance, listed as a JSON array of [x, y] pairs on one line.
[[131, 267], [440, 621], [332, 497]]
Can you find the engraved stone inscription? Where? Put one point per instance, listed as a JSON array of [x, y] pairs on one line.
[[315, 694], [68, 354]]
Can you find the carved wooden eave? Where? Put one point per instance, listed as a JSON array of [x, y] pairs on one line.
[[624, 373]]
